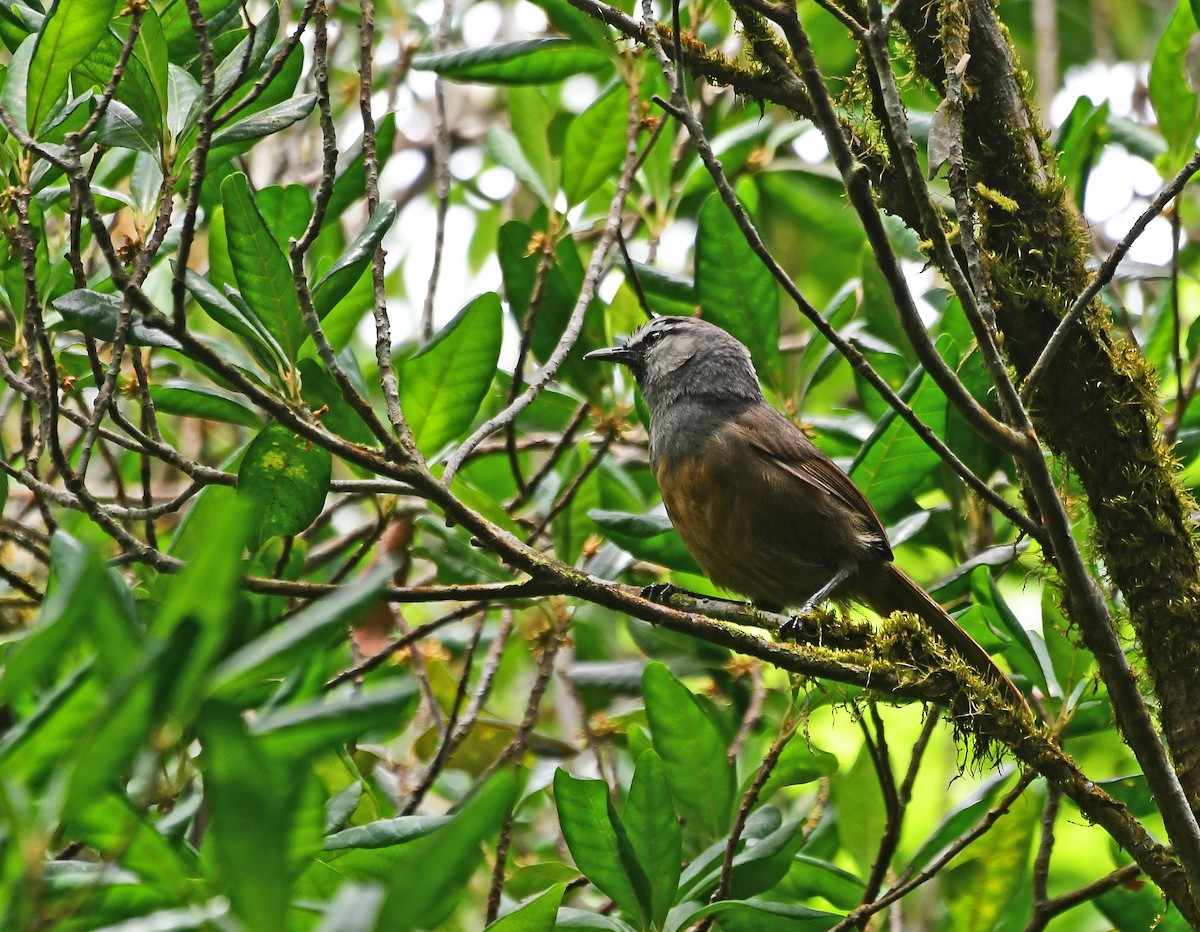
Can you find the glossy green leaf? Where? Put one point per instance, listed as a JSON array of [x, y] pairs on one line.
[[994, 879], [149, 52], [574, 23], [243, 60], [798, 763], [384, 833], [894, 459], [446, 859], [304, 731], [70, 31], [692, 752], [735, 289], [666, 292], [1135, 906], [351, 172], [504, 148], [537, 915], [123, 129], [532, 61], [266, 122], [250, 853], [532, 116], [960, 819], [1175, 103], [14, 95], [809, 877], [442, 387], [318, 390], [595, 838], [520, 255], [654, 834], [647, 537], [336, 283], [254, 335], [189, 399], [98, 316], [766, 916], [284, 478], [263, 273], [595, 145], [138, 89], [287, 644]]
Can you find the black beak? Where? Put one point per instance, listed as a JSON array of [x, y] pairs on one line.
[[622, 354]]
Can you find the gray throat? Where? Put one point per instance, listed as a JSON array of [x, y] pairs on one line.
[[680, 426]]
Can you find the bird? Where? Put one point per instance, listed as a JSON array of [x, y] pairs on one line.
[[763, 511]]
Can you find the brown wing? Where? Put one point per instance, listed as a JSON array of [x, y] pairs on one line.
[[766, 514], [781, 443]]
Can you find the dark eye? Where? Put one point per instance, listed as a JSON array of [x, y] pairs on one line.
[[653, 338]]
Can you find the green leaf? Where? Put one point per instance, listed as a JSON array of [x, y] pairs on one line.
[[532, 118], [263, 273], [736, 291], [1070, 659], [992, 883], [98, 314], [351, 178], [666, 292], [137, 89], [647, 537], [574, 23], [532, 61], [254, 335], [266, 122], [383, 833], [445, 860], [14, 95], [856, 793], [304, 731], [83, 602], [121, 128], [249, 804], [504, 148], [1175, 102], [959, 820], [766, 916], [894, 459], [285, 478], [336, 283], [537, 915], [810, 877], [286, 644], [595, 145], [1135, 907], [692, 752], [520, 255], [442, 387], [189, 399], [653, 830], [798, 763], [593, 833], [69, 32]]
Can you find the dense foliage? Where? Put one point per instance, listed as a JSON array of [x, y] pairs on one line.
[[322, 546]]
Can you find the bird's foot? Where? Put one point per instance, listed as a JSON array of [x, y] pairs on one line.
[[660, 592], [803, 625], [800, 627]]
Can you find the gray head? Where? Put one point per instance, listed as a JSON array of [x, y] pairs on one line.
[[686, 359]]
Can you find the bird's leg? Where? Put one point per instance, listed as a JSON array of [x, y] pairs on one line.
[[794, 626]]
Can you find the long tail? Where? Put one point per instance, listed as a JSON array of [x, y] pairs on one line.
[[890, 590]]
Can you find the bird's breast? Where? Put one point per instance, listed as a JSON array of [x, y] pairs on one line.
[[745, 530]]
